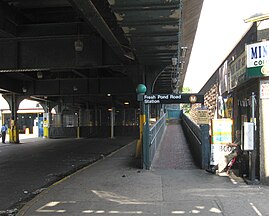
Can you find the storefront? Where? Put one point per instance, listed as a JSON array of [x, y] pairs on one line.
[[239, 90]]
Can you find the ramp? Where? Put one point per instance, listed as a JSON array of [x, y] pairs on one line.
[[173, 152]]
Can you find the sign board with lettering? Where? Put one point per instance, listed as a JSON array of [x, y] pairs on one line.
[[173, 98], [202, 116], [258, 59], [238, 71]]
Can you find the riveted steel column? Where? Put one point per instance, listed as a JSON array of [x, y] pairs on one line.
[[13, 130]]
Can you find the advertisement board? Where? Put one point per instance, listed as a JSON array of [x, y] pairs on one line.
[[221, 135]]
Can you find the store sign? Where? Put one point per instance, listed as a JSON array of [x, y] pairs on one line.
[[258, 59], [173, 98], [238, 71]]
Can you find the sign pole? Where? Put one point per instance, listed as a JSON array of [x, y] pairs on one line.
[[253, 152]]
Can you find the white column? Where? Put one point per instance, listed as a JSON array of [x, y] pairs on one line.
[[264, 138], [264, 128]]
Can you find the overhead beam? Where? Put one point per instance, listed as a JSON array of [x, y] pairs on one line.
[[10, 85], [8, 21], [144, 34], [59, 51], [80, 87], [53, 30], [161, 22], [79, 73], [122, 4], [94, 18]]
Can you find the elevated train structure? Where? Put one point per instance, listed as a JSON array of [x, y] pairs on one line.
[[85, 58]]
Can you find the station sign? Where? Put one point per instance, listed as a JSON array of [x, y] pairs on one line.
[[173, 98]]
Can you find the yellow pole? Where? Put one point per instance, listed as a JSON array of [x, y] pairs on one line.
[[45, 128], [142, 121]]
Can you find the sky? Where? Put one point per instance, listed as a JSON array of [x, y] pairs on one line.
[[221, 27], [23, 105]]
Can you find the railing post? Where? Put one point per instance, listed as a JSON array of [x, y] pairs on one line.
[[205, 146]]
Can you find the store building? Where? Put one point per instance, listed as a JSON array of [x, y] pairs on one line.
[[239, 90]]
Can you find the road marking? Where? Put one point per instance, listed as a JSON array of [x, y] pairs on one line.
[[255, 209], [233, 181]]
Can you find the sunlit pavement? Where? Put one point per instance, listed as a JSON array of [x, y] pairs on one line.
[[114, 186], [23, 137]]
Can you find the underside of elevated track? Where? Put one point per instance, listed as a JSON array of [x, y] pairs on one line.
[[76, 52]]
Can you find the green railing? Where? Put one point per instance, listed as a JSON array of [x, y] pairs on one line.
[[152, 136], [198, 140]]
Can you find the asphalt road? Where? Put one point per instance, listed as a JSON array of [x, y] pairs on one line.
[[34, 164]]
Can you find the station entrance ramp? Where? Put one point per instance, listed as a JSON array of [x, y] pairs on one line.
[[173, 151]]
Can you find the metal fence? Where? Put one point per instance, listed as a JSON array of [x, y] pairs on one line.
[[198, 140]]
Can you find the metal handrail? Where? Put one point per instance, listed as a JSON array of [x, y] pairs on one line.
[[157, 130], [155, 125]]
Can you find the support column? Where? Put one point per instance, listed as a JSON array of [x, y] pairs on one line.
[[124, 118], [46, 120], [112, 120], [13, 131], [264, 139], [140, 90], [79, 121], [95, 116], [252, 154], [59, 116], [45, 125], [146, 161]]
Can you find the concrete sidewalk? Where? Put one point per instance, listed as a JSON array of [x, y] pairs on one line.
[[115, 186]]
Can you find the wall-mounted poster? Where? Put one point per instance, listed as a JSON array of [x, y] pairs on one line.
[[264, 89]]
